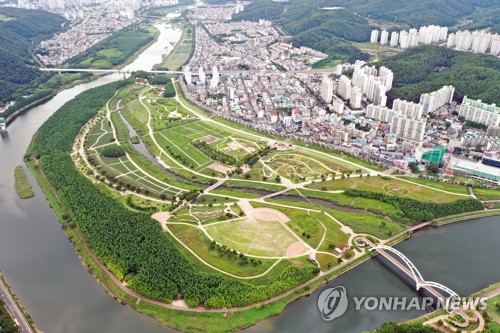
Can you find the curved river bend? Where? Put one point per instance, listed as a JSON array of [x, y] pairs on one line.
[[46, 274]]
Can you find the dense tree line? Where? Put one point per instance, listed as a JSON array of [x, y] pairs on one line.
[[427, 68], [391, 327], [417, 210], [18, 34], [7, 325], [129, 242], [113, 151], [253, 158], [213, 153], [169, 91]]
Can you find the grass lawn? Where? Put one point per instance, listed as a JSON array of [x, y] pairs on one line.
[[252, 236], [114, 51], [365, 223], [23, 187], [196, 240], [388, 186], [440, 186], [326, 261], [486, 194]]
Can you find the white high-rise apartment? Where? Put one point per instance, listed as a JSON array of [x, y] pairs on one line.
[[187, 75], [413, 38], [202, 78], [463, 40], [495, 45], [479, 112], [451, 40], [434, 100], [374, 37], [356, 98], [410, 109], [327, 89], [345, 87], [379, 112], [408, 128], [394, 39], [384, 37], [215, 78], [404, 39]]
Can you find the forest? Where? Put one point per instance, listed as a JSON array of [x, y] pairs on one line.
[[18, 34], [419, 211], [131, 244], [427, 68]]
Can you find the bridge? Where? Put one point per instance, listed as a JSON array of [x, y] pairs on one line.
[[194, 73], [411, 270]]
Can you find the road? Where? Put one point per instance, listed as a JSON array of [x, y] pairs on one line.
[[234, 72], [14, 310]]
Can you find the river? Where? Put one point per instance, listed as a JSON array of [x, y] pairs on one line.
[[46, 274]]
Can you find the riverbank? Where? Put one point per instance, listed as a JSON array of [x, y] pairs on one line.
[[465, 216], [20, 316], [23, 187]]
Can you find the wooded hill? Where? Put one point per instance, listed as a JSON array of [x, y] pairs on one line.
[[20, 31], [427, 68]]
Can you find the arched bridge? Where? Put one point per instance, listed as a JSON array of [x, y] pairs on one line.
[[412, 271]]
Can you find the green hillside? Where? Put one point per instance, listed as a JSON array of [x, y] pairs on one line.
[[428, 68], [20, 31]]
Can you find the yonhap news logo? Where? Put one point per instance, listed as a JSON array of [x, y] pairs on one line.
[[332, 303]]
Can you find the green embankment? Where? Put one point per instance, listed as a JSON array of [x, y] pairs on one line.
[[23, 187], [116, 50]]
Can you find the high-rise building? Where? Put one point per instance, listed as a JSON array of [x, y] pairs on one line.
[[479, 112], [434, 100], [215, 78], [327, 89], [413, 38], [384, 37], [409, 109], [373, 83], [394, 39], [408, 128], [187, 75], [495, 45], [356, 98], [404, 39], [382, 113], [201, 75], [451, 40], [374, 37], [345, 87]]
